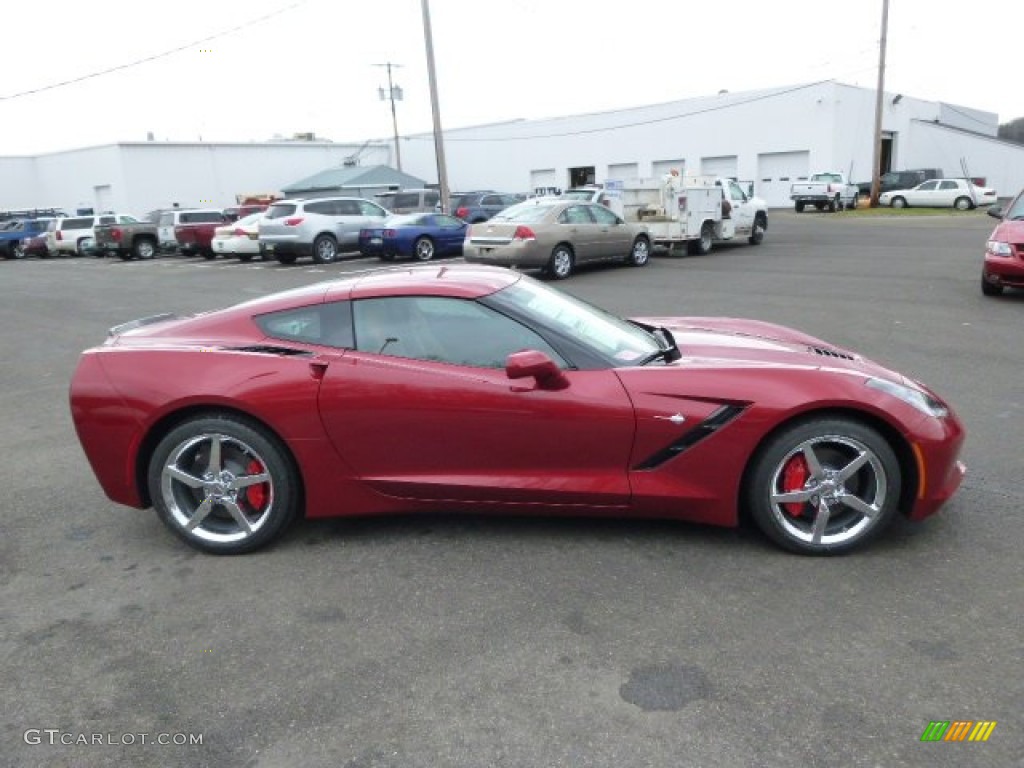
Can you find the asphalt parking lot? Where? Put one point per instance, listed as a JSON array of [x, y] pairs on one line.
[[463, 641]]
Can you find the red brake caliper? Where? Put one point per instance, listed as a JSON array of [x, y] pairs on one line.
[[794, 476], [256, 495]]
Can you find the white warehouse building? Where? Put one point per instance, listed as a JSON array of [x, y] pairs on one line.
[[771, 137]]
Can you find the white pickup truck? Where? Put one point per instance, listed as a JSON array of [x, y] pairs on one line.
[[828, 189]]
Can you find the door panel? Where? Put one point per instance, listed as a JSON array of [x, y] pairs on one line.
[[436, 431]]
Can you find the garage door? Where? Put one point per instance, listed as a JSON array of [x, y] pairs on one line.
[[623, 171], [543, 182], [719, 166], [776, 172], [660, 167]]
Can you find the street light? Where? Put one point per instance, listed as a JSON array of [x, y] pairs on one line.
[[392, 94]]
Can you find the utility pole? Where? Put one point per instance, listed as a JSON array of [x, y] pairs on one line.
[[442, 170], [394, 93], [875, 166]]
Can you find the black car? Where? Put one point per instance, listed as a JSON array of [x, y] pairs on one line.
[[474, 207], [900, 180]]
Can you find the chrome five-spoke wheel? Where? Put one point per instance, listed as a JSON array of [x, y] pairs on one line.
[[825, 486], [222, 485]]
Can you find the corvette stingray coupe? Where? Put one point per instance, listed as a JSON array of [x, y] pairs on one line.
[[462, 388]]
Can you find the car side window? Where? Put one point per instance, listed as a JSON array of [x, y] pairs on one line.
[[604, 216], [366, 208], [323, 207], [576, 214], [325, 324], [107, 219], [928, 186], [449, 222], [441, 329], [948, 185]]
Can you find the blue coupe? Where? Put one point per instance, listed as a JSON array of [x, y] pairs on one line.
[[421, 236]]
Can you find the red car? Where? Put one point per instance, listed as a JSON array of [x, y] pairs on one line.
[[1004, 251], [463, 387]]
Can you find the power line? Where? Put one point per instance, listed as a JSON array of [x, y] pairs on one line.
[[155, 56], [639, 123]]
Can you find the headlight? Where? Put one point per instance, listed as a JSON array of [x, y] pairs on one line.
[[997, 248], [924, 402]]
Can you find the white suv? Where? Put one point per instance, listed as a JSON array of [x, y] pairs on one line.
[[320, 227], [74, 235]]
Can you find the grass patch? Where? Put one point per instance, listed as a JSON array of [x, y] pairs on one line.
[[886, 211]]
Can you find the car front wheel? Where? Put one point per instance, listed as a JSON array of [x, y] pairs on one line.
[[824, 486], [223, 485]]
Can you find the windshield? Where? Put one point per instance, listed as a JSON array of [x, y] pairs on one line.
[[1016, 211], [610, 337]]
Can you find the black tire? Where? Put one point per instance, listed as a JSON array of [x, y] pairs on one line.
[[963, 204], [245, 257], [835, 204], [640, 253], [898, 202], [852, 205], [208, 255], [144, 249], [799, 207], [286, 258], [757, 233], [325, 250], [423, 249], [990, 289], [16, 250], [561, 263], [799, 473], [80, 247], [703, 246], [239, 515]]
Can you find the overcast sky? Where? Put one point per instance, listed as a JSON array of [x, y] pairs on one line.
[[309, 66]]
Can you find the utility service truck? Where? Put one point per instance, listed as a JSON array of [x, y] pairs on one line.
[[695, 211]]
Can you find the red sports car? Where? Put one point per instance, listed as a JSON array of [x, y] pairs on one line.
[[463, 387], [1004, 251]]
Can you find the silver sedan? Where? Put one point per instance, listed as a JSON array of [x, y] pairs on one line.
[[556, 236]]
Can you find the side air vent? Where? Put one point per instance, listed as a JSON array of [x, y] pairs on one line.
[[268, 349], [826, 352]]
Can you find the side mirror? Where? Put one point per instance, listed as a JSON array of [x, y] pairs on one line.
[[532, 363], [995, 211]]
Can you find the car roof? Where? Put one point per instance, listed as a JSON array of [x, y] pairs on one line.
[[467, 281]]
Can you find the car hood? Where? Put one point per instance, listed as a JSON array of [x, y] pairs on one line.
[[1009, 231], [732, 342]]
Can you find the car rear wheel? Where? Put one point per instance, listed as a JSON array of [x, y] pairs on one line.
[[852, 205], [799, 207], [423, 249], [963, 204], [560, 264], [17, 250], [702, 246], [757, 233], [640, 254], [245, 257], [899, 202], [144, 249], [824, 487], [990, 289], [223, 485], [325, 250], [835, 204]]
